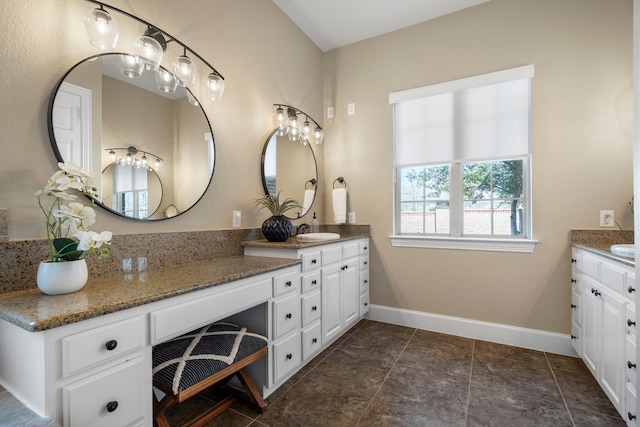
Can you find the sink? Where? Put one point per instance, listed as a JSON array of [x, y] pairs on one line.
[[317, 237], [626, 249]]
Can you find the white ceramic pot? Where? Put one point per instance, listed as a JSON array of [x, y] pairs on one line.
[[56, 278]]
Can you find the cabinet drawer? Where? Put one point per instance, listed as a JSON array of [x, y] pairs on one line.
[[575, 337], [90, 348], [591, 266], [286, 355], [331, 255], [350, 250], [576, 312], [285, 283], [180, 318], [363, 263], [310, 308], [630, 416], [311, 340], [576, 259], [613, 277], [311, 261], [286, 315], [363, 248], [630, 321], [311, 282], [88, 402], [630, 360], [364, 281], [364, 303]]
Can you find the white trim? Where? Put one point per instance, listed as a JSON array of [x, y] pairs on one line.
[[465, 243], [522, 72], [533, 339], [86, 121]]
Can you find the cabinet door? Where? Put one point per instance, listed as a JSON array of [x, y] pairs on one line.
[[612, 362], [350, 292], [331, 325], [590, 323]]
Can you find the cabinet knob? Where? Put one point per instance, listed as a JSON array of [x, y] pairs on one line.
[[366, 304], [630, 365], [631, 289], [314, 282], [111, 345], [630, 322], [366, 247], [315, 340], [573, 261], [112, 406], [289, 356], [573, 306], [288, 284], [366, 262], [574, 281], [574, 337], [314, 308], [288, 316], [631, 416], [595, 292], [314, 261]]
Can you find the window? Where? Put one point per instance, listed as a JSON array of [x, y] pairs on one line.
[[130, 194], [462, 162]]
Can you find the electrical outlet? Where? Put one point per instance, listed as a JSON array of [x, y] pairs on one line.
[[352, 217], [237, 219], [330, 113], [351, 109], [607, 219]]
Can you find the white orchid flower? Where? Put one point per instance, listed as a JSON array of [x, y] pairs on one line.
[[92, 240]]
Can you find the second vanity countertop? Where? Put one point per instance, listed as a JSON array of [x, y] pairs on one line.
[[604, 249], [34, 311], [293, 243]]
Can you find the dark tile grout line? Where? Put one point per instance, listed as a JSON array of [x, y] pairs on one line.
[[466, 412], [573, 423]]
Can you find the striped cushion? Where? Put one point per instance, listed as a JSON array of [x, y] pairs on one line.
[[190, 358]]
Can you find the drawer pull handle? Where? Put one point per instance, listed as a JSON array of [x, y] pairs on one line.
[[314, 261], [112, 406], [631, 289], [573, 261], [574, 281], [314, 341], [630, 322], [574, 306], [366, 304], [630, 365], [366, 262], [574, 337], [289, 356], [288, 316], [111, 345], [288, 283], [595, 292], [314, 308], [631, 416], [314, 282], [366, 281], [366, 247]]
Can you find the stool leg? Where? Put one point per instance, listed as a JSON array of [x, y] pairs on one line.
[[252, 391]]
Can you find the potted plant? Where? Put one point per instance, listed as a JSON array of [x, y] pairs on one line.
[[68, 235], [276, 228]]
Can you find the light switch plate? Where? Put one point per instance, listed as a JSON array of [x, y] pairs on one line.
[[330, 113]]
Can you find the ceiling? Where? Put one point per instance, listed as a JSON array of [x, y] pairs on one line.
[[336, 23]]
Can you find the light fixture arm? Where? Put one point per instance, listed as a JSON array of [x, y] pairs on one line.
[[161, 32], [293, 110]]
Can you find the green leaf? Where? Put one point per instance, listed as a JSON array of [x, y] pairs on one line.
[[66, 249]]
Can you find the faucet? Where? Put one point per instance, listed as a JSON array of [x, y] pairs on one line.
[[302, 228]]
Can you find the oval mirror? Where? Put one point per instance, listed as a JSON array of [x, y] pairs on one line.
[[289, 168], [98, 117]]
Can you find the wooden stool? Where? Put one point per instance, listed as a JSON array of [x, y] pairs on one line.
[[193, 362]]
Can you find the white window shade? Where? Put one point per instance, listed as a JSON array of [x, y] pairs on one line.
[[129, 178], [476, 118]]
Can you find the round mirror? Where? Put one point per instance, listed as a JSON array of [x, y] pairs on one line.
[[98, 117], [289, 168]]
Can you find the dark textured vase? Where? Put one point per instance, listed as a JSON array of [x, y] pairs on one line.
[[277, 228]]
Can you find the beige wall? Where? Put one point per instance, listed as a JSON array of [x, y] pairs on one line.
[[581, 145], [264, 57]]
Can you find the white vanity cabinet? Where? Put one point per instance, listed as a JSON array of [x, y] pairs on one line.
[[603, 325]]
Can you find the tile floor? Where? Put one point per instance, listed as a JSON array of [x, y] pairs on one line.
[[379, 374]]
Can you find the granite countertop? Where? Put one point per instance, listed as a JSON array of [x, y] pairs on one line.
[[293, 243], [604, 249], [599, 242], [34, 311]]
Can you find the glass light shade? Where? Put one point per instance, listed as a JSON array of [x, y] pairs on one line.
[[166, 81], [279, 117], [306, 128], [112, 156], [318, 135], [185, 70], [130, 65], [150, 50], [158, 164], [215, 87], [129, 159], [143, 161], [282, 131], [102, 29], [293, 125], [192, 99]]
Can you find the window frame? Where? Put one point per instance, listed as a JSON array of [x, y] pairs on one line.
[[456, 239]]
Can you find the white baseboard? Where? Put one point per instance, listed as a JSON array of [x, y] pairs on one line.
[[534, 339]]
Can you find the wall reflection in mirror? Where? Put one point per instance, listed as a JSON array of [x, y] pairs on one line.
[[95, 108]]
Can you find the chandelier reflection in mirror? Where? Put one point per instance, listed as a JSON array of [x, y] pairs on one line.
[[134, 158], [289, 122], [147, 52]]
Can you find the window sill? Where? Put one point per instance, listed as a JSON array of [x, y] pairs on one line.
[[465, 243]]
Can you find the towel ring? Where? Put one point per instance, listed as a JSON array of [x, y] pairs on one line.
[[341, 181], [312, 181]]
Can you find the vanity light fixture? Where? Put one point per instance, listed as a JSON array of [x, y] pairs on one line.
[[130, 157], [149, 50], [102, 29], [288, 123]]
